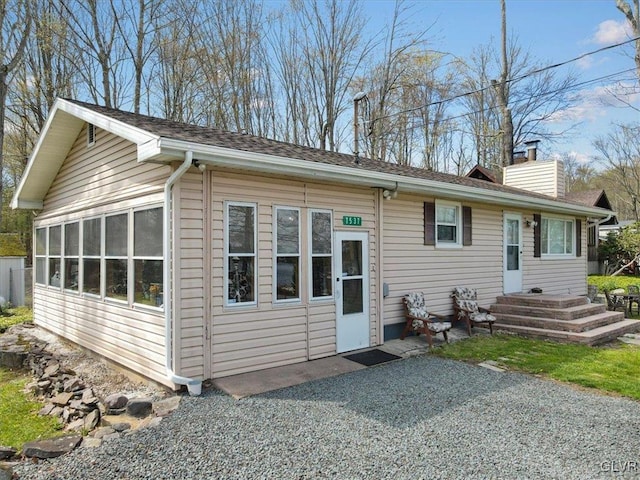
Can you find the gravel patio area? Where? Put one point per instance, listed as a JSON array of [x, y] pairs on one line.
[[416, 418]]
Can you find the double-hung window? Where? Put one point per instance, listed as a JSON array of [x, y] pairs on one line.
[[71, 256], [54, 250], [116, 256], [287, 243], [321, 234], [147, 257], [240, 253], [448, 223], [556, 236]]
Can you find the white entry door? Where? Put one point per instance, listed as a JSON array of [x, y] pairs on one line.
[[512, 253], [352, 290]]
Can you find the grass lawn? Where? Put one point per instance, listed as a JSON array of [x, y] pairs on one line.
[[610, 369], [19, 419], [14, 316]]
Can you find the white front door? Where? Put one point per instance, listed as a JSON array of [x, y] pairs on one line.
[[512, 253], [352, 290]]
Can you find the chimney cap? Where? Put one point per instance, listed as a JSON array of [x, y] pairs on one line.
[[531, 143]]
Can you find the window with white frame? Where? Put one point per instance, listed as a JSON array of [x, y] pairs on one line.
[[91, 255], [54, 257], [321, 234], [240, 253], [116, 256], [41, 256], [556, 236], [287, 249], [448, 222], [147, 257], [71, 256]]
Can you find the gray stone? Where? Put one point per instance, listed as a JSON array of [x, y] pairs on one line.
[[115, 411], [76, 425], [62, 399], [111, 436], [6, 452], [91, 442], [164, 407], [50, 448], [115, 401], [12, 359], [56, 411], [139, 407], [44, 384], [6, 473], [46, 410], [92, 419], [120, 426], [52, 370], [73, 385], [88, 397], [103, 431]]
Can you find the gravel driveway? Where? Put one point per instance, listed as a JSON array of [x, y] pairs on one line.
[[421, 417]]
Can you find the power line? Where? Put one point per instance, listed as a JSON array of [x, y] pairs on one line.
[[511, 80]]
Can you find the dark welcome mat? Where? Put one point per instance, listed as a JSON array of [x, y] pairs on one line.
[[372, 357]]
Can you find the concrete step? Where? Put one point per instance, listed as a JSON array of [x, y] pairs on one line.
[[582, 324], [568, 313], [542, 300], [596, 336]]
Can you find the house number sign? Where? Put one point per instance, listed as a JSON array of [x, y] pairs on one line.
[[352, 221]]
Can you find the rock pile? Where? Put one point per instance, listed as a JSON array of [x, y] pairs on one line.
[[80, 411]]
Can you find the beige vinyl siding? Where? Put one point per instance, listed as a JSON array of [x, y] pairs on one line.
[[132, 338], [246, 338], [92, 181], [409, 265], [191, 263], [101, 174], [540, 177]]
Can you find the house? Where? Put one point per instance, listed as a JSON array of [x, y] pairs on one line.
[[186, 253]]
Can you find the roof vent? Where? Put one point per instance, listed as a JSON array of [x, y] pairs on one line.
[[91, 134]]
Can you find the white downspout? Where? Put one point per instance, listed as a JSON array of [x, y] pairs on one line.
[[193, 386]]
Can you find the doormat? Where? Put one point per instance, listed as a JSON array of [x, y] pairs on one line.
[[372, 357]]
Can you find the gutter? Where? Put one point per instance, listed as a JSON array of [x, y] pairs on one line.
[[226, 157], [194, 387]]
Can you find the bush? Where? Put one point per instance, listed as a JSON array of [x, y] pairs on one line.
[[608, 283]]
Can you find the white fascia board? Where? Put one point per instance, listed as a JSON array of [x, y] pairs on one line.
[[231, 158], [133, 134], [26, 204]]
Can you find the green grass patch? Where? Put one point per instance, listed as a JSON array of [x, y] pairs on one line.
[[607, 282], [14, 316], [609, 369], [19, 419]]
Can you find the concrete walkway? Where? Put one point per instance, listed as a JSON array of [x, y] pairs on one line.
[[261, 381]]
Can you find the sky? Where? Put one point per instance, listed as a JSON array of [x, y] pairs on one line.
[[552, 31]]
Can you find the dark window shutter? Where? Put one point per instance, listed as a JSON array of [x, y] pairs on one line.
[[429, 223], [466, 226], [537, 218], [578, 238]]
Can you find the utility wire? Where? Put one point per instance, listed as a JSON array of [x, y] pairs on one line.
[[510, 80]]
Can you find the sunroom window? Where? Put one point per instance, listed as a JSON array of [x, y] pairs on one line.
[[557, 236], [41, 256], [240, 253], [116, 262], [71, 255], [91, 241], [55, 241], [147, 257], [287, 236]]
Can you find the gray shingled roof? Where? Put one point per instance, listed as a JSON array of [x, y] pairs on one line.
[[250, 143]]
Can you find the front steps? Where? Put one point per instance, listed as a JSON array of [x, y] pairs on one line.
[[567, 318]]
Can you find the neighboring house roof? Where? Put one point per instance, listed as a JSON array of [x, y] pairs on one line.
[[482, 173], [160, 140], [593, 198]]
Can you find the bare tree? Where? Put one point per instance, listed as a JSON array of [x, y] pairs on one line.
[[632, 14], [620, 154], [332, 52], [15, 21], [94, 31], [502, 93]]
